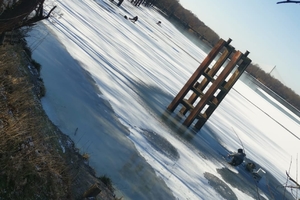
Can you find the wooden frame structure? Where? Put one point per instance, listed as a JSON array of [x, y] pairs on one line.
[[208, 85]]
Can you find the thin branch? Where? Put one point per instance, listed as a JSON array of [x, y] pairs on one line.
[[291, 179], [279, 2], [50, 12], [287, 178], [35, 19], [290, 186], [297, 174]]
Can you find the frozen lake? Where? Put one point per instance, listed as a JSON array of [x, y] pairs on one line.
[[113, 79]]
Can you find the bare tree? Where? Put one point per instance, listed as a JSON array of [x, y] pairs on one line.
[[21, 13]]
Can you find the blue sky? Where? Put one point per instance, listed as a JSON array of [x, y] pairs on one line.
[[269, 31]]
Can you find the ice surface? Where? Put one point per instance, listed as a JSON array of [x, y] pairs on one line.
[[137, 69]]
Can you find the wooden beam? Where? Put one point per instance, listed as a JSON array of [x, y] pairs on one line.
[[194, 78], [208, 95]]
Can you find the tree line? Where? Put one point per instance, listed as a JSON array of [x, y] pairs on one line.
[[172, 9], [20, 13], [16, 14], [275, 85]]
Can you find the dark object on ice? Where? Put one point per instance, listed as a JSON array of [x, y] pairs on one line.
[[250, 167], [158, 23], [237, 158], [125, 17], [134, 19], [259, 174]]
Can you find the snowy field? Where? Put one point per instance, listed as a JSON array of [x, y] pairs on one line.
[[137, 69]]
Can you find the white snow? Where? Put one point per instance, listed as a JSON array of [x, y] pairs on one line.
[[119, 54]]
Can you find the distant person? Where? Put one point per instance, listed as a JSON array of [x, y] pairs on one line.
[[158, 23], [237, 158], [120, 2], [134, 19]]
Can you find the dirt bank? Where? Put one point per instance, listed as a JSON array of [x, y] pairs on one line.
[[37, 160]]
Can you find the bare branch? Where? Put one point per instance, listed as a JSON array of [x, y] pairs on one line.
[[291, 179], [287, 1], [19, 15]]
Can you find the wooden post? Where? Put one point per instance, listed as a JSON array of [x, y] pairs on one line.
[[236, 57], [214, 86], [211, 73], [210, 57], [227, 86]]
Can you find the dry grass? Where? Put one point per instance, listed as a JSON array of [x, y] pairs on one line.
[[28, 159], [37, 160]]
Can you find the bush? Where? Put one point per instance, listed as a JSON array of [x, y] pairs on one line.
[[107, 181]]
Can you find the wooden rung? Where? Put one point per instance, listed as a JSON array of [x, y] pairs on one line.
[[202, 116], [188, 105], [215, 101], [197, 91], [209, 77], [212, 104], [223, 89]]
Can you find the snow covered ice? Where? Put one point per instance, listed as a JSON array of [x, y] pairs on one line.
[[113, 80]]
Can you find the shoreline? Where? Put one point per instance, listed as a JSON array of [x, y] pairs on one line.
[[56, 168], [74, 100]]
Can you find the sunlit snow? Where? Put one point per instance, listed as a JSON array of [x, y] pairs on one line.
[[138, 69]]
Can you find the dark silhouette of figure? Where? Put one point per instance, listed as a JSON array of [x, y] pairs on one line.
[[134, 19], [120, 2], [158, 23], [237, 158]]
